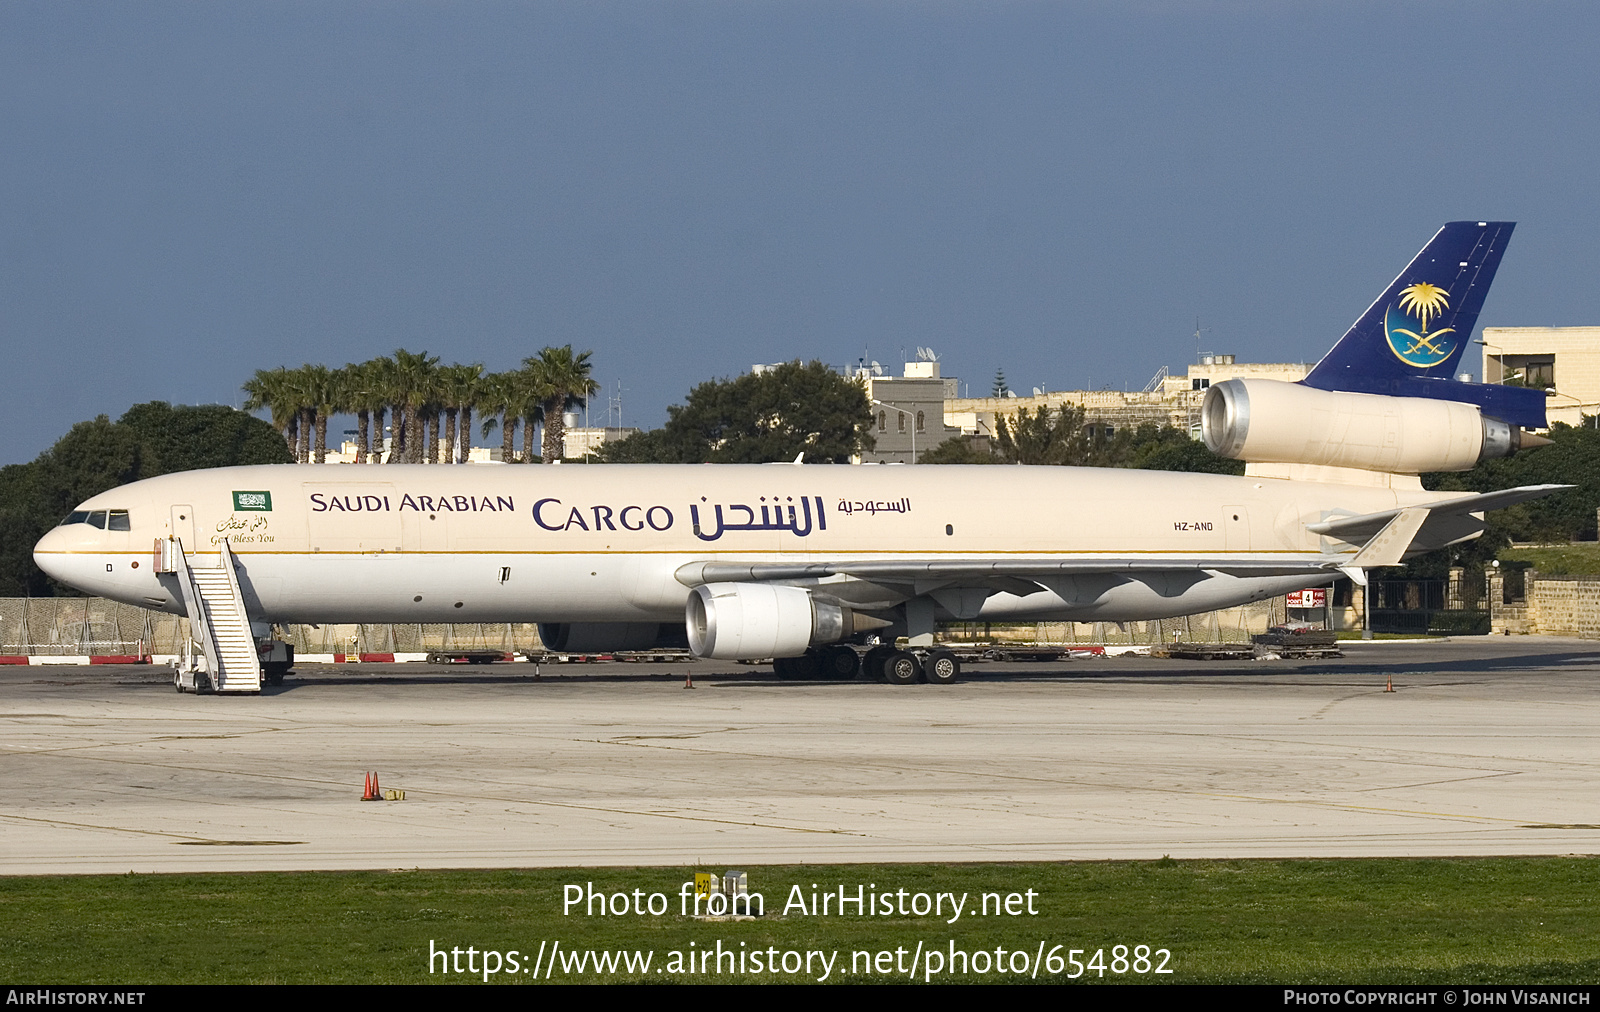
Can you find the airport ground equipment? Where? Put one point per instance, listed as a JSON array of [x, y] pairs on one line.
[[1025, 652], [276, 657], [467, 656], [228, 660], [1290, 642], [1210, 651]]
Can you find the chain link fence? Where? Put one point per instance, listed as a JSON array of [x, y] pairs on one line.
[[74, 626], [1230, 625]]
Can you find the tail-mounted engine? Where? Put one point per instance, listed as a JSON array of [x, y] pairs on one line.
[[1266, 421]]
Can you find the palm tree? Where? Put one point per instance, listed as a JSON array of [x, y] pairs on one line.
[[270, 389], [458, 387], [562, 381], [413, 378], [368, 399], [325, 390], [301, 396], [383, 380], [531, 389], [502, 395]]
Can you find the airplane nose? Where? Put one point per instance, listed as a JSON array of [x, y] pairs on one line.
[[47, 554]]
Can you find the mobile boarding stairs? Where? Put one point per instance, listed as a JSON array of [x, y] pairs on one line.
[[228, 659]]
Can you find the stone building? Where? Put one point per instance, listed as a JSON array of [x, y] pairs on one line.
[[1165, 400], [1563, 361], [911, 412]]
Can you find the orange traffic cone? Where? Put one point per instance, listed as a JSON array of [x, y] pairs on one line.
[[1388, 684], [688, 680], [372, 793]]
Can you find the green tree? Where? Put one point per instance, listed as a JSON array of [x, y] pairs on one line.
[[271, 389], [1573, 458], [960, 450], [775, 415], [560, 380], [192, 438], [148, 440], [1043, 436], [460, 387], [412, 387], [1164, 448]]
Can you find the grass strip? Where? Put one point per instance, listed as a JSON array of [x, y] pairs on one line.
[[1458, 921]]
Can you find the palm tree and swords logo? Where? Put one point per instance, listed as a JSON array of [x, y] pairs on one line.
[[1420, 348]]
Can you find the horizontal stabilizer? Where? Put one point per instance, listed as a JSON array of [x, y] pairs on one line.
[[1360, 529]]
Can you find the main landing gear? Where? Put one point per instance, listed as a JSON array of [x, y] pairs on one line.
[[907, 667], [835, 663], [881, 663]]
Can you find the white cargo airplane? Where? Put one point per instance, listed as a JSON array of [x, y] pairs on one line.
[[796, 562]]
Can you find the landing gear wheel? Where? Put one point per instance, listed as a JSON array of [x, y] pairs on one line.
[[902, 668], [942, 668], [840, 664], [872, 664]]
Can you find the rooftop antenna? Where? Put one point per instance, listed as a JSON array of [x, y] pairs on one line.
[[614, 404]]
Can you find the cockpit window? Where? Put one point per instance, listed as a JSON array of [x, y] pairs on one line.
[[116, 520]]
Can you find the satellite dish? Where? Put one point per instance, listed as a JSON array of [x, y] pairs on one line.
[[1037, 392]]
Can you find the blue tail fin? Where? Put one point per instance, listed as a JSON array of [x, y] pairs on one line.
[[1409, 342]]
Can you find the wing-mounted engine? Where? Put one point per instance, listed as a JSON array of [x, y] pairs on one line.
[[752, 621], [1266, 421]]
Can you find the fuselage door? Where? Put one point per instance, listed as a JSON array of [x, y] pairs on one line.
[[1236, 528], [183, 527]]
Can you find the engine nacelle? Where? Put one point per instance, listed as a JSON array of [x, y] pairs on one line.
[[608, 637], [752, 621], [1267, 421]]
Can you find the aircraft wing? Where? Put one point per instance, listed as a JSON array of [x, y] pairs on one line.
[[1410, 529], [927, 570]]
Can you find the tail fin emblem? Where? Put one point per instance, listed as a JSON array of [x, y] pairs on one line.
[[1422, 350]]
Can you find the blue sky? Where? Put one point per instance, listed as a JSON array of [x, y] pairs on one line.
[[195, 191]]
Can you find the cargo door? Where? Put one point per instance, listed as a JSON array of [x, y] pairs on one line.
[[352, 516]]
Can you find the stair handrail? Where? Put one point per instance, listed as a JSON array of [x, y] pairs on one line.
[[227, 560], [195, 608]]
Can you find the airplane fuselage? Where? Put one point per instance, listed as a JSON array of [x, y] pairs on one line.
[[610, 543]]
